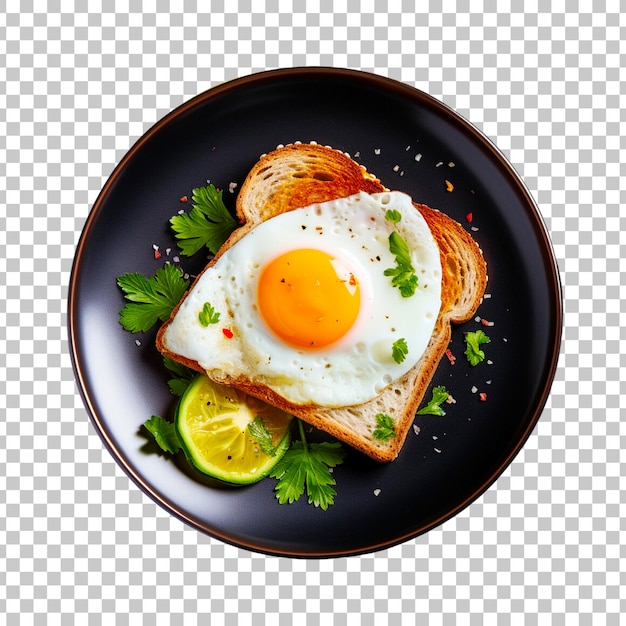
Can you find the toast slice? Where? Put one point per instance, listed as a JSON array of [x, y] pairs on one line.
[[298, 175]]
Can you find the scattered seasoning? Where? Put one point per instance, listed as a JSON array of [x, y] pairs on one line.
[[485, 322], [137, 342], [167, 251], [376, 492], [416, 429], [418, 157], [437, 450], [449, 186], [157, 253], [450, 399], [232, 187], [474, 229], [469, 217], [450, 356], [377, 151], [439, 164], [396, 168], [228, 333], [483, 396], [451, 164], [184, 199], [474, 389]]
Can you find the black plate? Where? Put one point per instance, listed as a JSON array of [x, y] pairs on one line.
[[384, 124]]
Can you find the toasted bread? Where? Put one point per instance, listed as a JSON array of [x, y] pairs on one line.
[[298, 175]]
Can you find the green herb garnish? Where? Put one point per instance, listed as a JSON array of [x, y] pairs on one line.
[[208, 223], [403, 274], [258, 430], [393, 216], [399, 350], [208, 315], [384, 428], [164, 434], [440, 395], [151, 299], [473, 352], [306, 467], [183, 376]]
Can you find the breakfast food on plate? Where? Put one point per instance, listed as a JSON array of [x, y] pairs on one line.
[[334, 299]]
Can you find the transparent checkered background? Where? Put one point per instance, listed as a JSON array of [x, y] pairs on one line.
[[79, 543]]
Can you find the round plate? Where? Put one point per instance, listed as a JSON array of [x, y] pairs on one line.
[[413, 143]]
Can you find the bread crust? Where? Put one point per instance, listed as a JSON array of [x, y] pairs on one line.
[[298, 175]]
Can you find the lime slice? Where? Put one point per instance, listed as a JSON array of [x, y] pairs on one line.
[[212, 423]]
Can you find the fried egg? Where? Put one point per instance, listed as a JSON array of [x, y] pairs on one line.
[[303, 303]]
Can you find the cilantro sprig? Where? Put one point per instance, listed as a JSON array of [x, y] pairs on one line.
[[384, 427], [208, 223], [440, 395], [208, 315], [403, 274], [262, 436], [393, 216], [306, 467], [473, 341], [182, 376], [399, 350], [164, 434], [150, 299]]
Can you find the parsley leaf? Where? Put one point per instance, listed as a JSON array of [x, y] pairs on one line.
[[399, 350], [164, 434], [151, 299], [208, 315], [440, 395], [403, 274], [305, 467], [208, 223], [384, 428], [263, 437], [183, 376], [393, 216], [473, 352]]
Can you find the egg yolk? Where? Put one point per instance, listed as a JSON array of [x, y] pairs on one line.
[[308, 298]]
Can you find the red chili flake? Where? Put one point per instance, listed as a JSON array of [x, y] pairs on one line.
[[157, 253], [450, 356], [483, 396], [469, 217], [228, 333], [184, 199], [484, 322], [449, 186]]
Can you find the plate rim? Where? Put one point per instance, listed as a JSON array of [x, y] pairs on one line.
[[553, 279]]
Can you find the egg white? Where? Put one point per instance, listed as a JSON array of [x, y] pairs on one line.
[[360, 365]]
